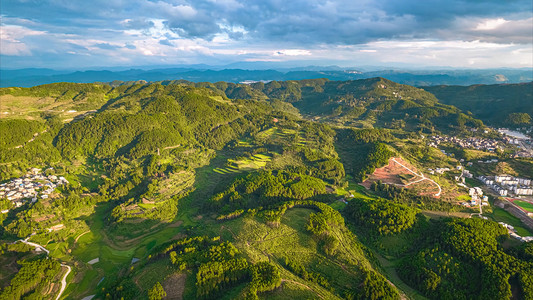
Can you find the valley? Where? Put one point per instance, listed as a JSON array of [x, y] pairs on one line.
[[310, 189]]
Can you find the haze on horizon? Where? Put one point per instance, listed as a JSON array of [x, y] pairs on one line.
[[112, 33]]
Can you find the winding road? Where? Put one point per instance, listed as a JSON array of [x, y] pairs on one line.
[[64, 280], [419, 175], [36, 246]]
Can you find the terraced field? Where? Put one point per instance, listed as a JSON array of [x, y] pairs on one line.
[[254, 162]]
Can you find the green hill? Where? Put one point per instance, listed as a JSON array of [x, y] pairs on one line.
[[490, 103], [361, 103], [232, 191]]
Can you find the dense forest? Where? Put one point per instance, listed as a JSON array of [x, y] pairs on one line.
[[498, 104], [459, 248]]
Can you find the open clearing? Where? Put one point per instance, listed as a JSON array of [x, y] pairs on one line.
[[401, 173], [524, 205], [253, 162], [174, 286], [283, 136]]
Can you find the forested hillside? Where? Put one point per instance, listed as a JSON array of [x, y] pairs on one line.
[[495, 104], [360, 103], [230, 191]]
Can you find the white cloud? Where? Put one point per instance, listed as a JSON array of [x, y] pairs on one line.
[[439, 53], [491, 24], [292, 52], [12, 43], [224, 31]]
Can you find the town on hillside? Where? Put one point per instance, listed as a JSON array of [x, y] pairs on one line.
[[33, 185], [521, 143]]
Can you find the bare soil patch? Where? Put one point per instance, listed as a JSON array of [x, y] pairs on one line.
[[395, 174], [391, 173], [146, 201], [174, 286], [176, 224]]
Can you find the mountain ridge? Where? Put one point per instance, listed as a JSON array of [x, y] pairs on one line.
[[32, 77]]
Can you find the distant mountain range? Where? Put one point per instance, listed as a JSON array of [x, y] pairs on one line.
[[203, 73]]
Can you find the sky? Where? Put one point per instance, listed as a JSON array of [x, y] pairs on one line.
[[74, 34]]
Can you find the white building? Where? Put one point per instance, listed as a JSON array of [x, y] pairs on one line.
[[501, 178], [522, 190]]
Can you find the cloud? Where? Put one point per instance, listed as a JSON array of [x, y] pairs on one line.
[[107, 46], [119, 31], [137, 23], [12, 40], [292, 52], [298, 21], [491, 24], [503, 31]]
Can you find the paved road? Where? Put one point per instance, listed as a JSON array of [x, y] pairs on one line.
[[35, 245], [64, 281]]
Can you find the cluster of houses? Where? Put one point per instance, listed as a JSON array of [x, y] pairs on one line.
[[473, 142], [523, 141], [438, 170], [30, 187], [513, 233], [504, 185], [477, 198], [511, 140]]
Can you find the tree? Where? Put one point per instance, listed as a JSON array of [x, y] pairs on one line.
[[157, 292], [518, 119]]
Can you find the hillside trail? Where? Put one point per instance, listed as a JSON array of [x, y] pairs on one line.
[[423, 177], [79, 236], [42, 248], [303, 285], [64, 281]]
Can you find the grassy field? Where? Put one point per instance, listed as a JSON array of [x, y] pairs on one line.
[[521, 167], [471, 154], [291, 241], [528, 206], [282, 136], [115, 252], [500, 215], [31, 108], [253, 162]]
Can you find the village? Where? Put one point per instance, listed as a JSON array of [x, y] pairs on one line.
[[506, 185], [473, 142], [523, 143], [502, 185], [521, 140], [30, 187]]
